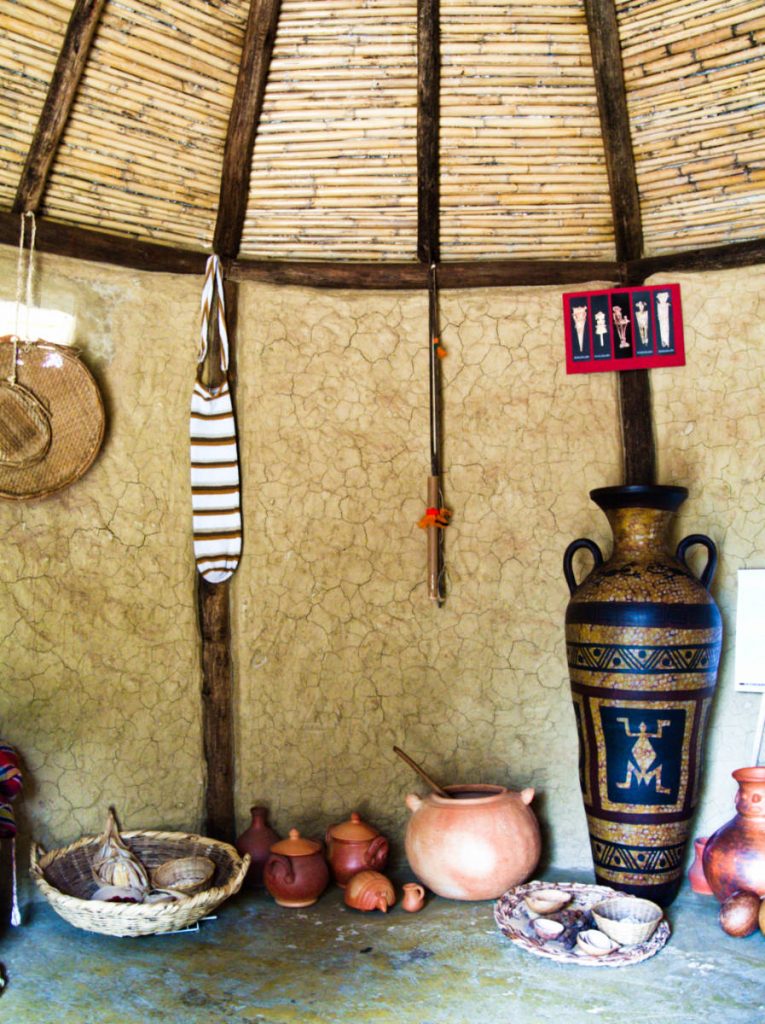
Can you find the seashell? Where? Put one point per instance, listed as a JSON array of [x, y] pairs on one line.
[[546, 901], [114, 864], [547, 929], [369, 890], [595, 943], [184, 874]]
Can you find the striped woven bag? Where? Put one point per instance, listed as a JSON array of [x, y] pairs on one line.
[[215, 498]]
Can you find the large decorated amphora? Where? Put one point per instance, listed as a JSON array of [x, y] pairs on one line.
[[643, 638]]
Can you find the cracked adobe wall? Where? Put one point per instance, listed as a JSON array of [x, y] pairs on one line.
[[338, 652]]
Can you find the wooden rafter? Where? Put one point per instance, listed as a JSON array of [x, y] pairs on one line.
[[58, 104], [428, 89], [257, 49], [615, 127]]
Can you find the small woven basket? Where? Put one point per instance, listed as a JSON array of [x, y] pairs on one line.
[[65, 879]]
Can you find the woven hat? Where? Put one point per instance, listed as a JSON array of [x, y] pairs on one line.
[[51, 418]]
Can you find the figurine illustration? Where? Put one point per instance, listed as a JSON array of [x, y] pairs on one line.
[[662, 310], [579, 314], [600, 327], [621, 322], [641, 316], [644, 756]]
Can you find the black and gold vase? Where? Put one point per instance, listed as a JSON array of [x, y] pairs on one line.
[[643, 638]]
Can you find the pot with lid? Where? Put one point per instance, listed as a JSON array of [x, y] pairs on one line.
[[354, 846], [296, 873]]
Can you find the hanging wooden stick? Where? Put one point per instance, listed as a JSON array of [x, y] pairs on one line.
[[436, 517]]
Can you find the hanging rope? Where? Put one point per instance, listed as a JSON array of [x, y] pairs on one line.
[[21, 273], [213, 304]]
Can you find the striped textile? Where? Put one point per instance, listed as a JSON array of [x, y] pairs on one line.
[[215, 499]]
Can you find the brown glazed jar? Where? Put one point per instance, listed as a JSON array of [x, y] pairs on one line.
[[734, 856], [296, 873], [354, 846], [257, 840]]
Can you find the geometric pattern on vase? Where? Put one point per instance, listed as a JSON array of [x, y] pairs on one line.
[[644, 658]]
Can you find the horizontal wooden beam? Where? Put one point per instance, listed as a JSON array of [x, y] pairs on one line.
[[81, 243], [58, 104], [397, 276], [63, 239]]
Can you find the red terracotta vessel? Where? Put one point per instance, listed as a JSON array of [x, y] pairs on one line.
[[696, 876], [257, 840], [354, 846], [734, 857], [296, 873]]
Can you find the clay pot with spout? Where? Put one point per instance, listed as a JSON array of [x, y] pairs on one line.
[[369, 890], [354, 846], [476, 843], [296, 873]]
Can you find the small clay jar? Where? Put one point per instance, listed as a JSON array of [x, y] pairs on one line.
[[696, 875], [369, 890], [734, 856], [354, 846], [414, 897], [296, 873], [257, 840]]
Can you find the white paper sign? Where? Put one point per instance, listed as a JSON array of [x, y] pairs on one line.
[[750, 631]]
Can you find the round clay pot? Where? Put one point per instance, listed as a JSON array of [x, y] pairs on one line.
[[296, 873], [475, 844], [354, 846], [734, 857], [643, 639], [257, 840]]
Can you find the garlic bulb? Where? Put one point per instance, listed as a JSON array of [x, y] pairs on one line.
[[114, 864]]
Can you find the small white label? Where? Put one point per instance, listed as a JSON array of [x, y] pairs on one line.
[[750, 631]]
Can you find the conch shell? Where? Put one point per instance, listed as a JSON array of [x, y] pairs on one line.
[[114, 864], [369, 890]]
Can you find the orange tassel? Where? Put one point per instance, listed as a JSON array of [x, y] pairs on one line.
[[440, 350], [435, 517]]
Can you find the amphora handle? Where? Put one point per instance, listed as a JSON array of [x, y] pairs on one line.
[[709, 569], [568, 559]]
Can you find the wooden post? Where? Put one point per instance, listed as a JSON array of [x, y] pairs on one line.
[[428, 91]]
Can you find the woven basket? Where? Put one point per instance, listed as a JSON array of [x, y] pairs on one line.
[[65, 879]]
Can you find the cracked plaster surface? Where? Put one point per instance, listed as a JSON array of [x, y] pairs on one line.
[[338, 652]]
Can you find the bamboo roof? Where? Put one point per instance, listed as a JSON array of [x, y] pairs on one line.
[[385, 132]]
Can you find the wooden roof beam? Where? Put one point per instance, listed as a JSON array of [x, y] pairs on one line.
[[58, 104], [428, 91], [246, 109]]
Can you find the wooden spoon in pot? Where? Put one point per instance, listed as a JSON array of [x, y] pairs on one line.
[[422, 773]]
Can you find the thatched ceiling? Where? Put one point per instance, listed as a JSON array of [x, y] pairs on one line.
[[539, 151]]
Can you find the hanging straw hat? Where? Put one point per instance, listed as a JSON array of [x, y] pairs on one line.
[[51, 418]]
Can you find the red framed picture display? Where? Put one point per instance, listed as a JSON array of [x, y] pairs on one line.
[[623, 329]]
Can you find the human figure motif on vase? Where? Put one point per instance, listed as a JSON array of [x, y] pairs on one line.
[[641, 317], [600, 328], [662, 312], [621, 323], [579, 314]]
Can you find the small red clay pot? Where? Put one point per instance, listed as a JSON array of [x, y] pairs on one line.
[[734, 857], [257, 840], [696, 875], [296, 873], [369, 890], [354, 846]]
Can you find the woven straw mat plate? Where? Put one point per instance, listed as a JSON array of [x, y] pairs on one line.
[[514, 921], [51, 419]]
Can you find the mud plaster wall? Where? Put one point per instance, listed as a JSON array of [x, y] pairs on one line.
[[338, 653]]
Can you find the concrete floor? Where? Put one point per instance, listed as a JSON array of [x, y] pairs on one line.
[[328, 964]]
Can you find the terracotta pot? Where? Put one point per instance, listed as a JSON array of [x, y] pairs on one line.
[[643, 640], [369, 890], [296, 873], [734, 857], [354, 846], [413, 898], [696, 875], [257, 840], [474, 845]]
